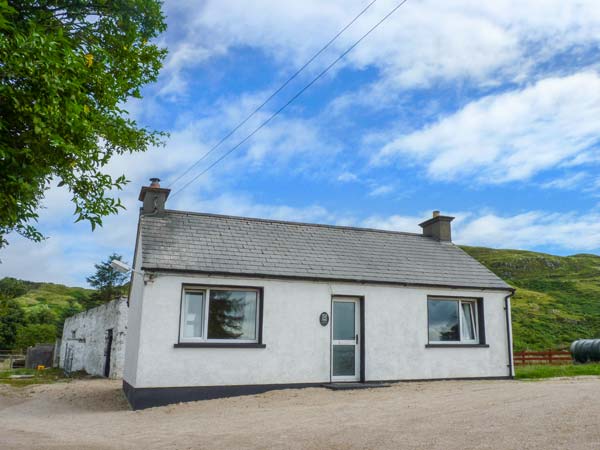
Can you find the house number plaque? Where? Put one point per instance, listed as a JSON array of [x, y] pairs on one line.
[[324, 318]]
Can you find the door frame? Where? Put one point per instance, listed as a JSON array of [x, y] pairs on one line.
[[360, 301], [108, 343]]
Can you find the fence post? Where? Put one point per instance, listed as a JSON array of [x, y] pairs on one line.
[[549, 356]]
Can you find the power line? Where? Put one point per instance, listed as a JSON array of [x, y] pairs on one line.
[[313, 81], [288, 81]]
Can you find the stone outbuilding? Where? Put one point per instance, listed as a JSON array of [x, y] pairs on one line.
[[94, 340]]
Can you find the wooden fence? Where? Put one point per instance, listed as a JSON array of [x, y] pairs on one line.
[[11, 360], [542, 357]]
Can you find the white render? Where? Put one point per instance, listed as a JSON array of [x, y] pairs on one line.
[[84, 337], [297, 345]]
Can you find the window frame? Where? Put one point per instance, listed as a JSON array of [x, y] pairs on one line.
[[183, 313], [204, 341], [476, 304]]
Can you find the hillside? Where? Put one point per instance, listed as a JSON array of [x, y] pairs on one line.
[[33, 312], [32, 295], [57, 296], [557, 299]]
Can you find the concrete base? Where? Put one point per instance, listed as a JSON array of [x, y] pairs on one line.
[[350, 386]]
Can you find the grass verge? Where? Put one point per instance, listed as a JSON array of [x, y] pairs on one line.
[[551, 371], [39, 377]]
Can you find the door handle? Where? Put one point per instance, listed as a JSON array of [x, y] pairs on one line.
[[356, 338]]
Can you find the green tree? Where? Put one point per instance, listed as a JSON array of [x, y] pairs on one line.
[[12, 317], [67, 67], [226, 314], [41, 314], [34, 333], [72, 309], [108, 282], [11, 287]]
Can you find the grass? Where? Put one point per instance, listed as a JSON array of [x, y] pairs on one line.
[[539, 371], [45, 376]]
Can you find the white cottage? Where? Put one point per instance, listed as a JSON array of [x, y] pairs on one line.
[[224, 306]]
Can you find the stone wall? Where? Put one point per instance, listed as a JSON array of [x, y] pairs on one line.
[[85, 338]]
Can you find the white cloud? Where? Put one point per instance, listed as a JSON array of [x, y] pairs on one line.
[[570, 181], [510, 136], [422, 42], [346, 177], [530, 230], [394, 223], [245, 206], [534, 229], [379, 191]]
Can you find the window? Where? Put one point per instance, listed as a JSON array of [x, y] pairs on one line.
[[452, 321], [219, 315]]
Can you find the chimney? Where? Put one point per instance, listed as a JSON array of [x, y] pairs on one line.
[[438, 227], [153, 197]]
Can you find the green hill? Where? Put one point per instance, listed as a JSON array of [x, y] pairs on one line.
[[34, 296], [557, 299]]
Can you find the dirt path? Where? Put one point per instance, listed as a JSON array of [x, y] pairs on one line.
[[92, 414]]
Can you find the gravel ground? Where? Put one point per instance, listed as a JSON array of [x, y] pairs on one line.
[[93, 414]]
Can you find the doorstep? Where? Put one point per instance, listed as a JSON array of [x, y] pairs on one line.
[[349, 386]]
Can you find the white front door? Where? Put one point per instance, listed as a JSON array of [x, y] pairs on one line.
[[345, 339]]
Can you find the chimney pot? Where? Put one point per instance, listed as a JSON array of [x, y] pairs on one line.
[[438, 227], [153, 197]]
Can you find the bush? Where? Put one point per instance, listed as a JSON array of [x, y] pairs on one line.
[[35, 333]]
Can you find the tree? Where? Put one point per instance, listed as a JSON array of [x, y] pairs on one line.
[[72, 309], [11, 287], [67, 67], [107, 281], [226, 314], [12, 317], [34, 333], [41, 314]]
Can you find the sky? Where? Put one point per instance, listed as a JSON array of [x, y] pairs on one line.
[[486, 111]]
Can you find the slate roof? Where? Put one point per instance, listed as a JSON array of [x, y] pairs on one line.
[[183, 241]]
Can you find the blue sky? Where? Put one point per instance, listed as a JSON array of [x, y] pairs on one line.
[[488, 111]]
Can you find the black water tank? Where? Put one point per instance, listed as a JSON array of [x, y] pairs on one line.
[[585, 350]]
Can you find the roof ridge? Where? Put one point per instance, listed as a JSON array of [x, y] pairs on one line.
[[290, 222]]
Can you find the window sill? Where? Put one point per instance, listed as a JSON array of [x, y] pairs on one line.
[[218, 345], [457, 345]]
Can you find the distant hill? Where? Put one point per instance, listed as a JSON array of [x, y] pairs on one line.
[[557, 299], [56, 296]]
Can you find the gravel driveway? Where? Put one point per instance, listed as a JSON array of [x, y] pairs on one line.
[[92, 414]]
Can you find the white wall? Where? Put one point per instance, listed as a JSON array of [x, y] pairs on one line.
[[135, 313], [85, 335], [298, 347]]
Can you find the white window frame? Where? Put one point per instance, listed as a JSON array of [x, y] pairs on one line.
[[206, 291], [183, 313], [474, 313]]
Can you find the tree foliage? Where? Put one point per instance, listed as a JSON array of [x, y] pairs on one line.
[[11, 287], [67, 67], [12, 318], [107, 281], [34, 333]]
